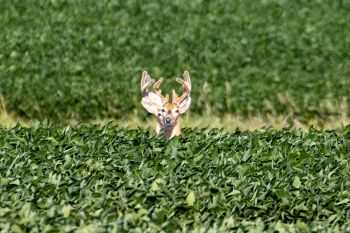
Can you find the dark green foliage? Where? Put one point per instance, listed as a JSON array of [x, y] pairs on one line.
[[94, 179], [83, 59]]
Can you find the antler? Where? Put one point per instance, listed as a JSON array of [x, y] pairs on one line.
[[159, 92], [146, 81], [186, 84]]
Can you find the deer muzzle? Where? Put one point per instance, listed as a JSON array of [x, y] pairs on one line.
[[168, 120]]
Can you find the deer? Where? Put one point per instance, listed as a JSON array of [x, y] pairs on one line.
[[167, 113]]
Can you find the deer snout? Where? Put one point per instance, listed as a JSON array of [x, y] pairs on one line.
[[167, 120]]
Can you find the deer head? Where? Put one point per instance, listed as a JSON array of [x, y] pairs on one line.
[[167, 112]]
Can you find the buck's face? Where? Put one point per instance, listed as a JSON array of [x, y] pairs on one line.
[[169, 114]]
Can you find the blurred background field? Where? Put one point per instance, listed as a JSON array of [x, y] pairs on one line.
[[252, 63]]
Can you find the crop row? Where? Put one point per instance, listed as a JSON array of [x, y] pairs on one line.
[[96, 179], [83, 59]]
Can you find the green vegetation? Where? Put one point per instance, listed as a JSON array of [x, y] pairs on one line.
[[83, 60], [252, 63], [93, 179]]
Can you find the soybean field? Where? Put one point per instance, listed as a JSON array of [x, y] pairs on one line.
[[109, 179]]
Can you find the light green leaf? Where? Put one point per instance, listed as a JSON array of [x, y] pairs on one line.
[[66, 210], [15, 228], [344, 201], [154, 186], [301, 225], [4, 181], [15, 182], [296, 182], [191, 198], [246, 156]]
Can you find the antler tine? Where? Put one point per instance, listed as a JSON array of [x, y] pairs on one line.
[[146, 81], [186, 84], [143, 79], [175, 96], [159, 92], [188, 79]]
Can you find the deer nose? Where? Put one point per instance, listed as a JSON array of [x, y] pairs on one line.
[[167, 120]]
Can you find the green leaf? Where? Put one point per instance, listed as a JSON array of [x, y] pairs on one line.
[[342, 202], [301, 225], [191, 198], [15, 182], [16, 229], [296, 182], [66, 210], [154, 186], [246, 156], [4, 181]]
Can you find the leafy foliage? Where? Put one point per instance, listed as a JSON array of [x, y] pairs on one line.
[[97, 179], [83, 59]]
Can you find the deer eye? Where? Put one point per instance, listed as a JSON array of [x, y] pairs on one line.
[[163, 110], [177, 111], [159, 114]]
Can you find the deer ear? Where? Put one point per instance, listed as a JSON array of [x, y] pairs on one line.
[[152, 103], [185, 104]]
